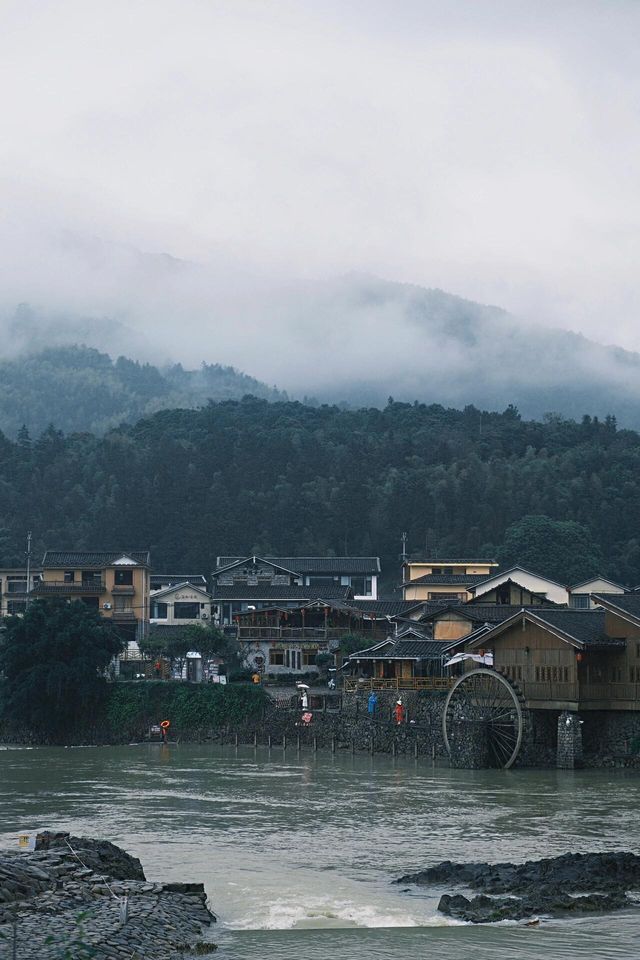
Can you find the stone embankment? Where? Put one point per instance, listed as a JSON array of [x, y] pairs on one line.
[[78, 897], [571, 885]]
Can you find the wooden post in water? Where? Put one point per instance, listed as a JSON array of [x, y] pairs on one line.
[[255, 738], [415, 747], [394, 747], [237, 740], [433, 753], [269, 741], [298, 744], [284, 741], [315, 744], [333, 744]]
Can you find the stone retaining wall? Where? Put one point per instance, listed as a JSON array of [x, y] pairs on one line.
[[70, 897]]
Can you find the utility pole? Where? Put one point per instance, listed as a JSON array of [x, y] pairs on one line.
[[404, 548], [28, 568]]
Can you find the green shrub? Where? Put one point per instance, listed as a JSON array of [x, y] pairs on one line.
[[132, 707]]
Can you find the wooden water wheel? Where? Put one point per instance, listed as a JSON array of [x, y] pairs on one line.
[[483, 712]]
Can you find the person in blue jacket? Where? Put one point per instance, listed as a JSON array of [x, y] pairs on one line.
[[372, 703]]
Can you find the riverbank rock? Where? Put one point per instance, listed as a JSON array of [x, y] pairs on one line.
[[90, 898], [484, 909], [547, 887]]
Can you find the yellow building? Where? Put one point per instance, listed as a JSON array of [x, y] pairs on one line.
[[443, 579], [115, 584]]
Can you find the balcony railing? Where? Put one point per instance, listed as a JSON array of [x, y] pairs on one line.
[[352, 685], [289, 633], [62, 588]]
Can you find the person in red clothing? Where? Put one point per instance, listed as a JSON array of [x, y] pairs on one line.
[[398, 711]]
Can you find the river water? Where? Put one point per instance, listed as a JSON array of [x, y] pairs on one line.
[[297, 851]]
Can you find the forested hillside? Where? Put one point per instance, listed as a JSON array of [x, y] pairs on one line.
[[79, 388], [287, 478]]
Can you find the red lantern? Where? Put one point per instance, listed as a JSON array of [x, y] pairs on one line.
[[579, 657]]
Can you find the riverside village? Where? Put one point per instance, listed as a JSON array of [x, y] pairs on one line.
[[459, 664]]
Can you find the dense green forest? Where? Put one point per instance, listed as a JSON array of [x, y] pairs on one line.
[[244, 476], [80, 388]]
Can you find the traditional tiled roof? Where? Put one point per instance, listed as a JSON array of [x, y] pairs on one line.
[[58, 559], [625, 604], [487, 579], [166, 591], [413, 628], [320, 565], [386, 608], [485, 612], [470, 561], [197, 579], [581, 628], [613, 583], [403, 650], [448, 579], [240, 591]]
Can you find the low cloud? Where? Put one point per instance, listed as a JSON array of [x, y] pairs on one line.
[[211, 177]]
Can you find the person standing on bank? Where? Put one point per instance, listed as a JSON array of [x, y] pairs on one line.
[[372, 703], [398, 711]]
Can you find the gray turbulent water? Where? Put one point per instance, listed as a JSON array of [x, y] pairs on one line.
[[297, 852]]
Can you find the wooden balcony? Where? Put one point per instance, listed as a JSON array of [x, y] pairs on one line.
[[289, 633], [352, 685]]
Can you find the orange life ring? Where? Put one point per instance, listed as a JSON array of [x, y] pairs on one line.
[[165, 724]]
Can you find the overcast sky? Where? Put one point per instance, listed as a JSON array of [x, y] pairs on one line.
[[488, 147]]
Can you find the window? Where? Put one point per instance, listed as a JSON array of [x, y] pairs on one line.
[[186, 611], [159, 611], [319, 581], [91, 578], [361, 586], [15, 607], [17, 584], [122, 604], [91, 602], [446, 596], [123, 578], [69, 576], [580, 601], [309, 658], [276, 658]]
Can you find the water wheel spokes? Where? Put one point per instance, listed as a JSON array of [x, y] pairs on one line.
[[483, 703]]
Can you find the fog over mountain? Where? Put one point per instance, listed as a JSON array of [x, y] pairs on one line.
[[354, 339], [285, 188]]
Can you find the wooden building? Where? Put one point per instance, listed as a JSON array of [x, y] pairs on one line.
[[573, 660], [280, 640]]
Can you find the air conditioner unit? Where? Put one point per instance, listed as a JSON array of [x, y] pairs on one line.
[[106, 606], [204, 616]]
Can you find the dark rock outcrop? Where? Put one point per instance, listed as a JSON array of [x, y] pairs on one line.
[[575, 871], [538, 887], [483, 909]]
